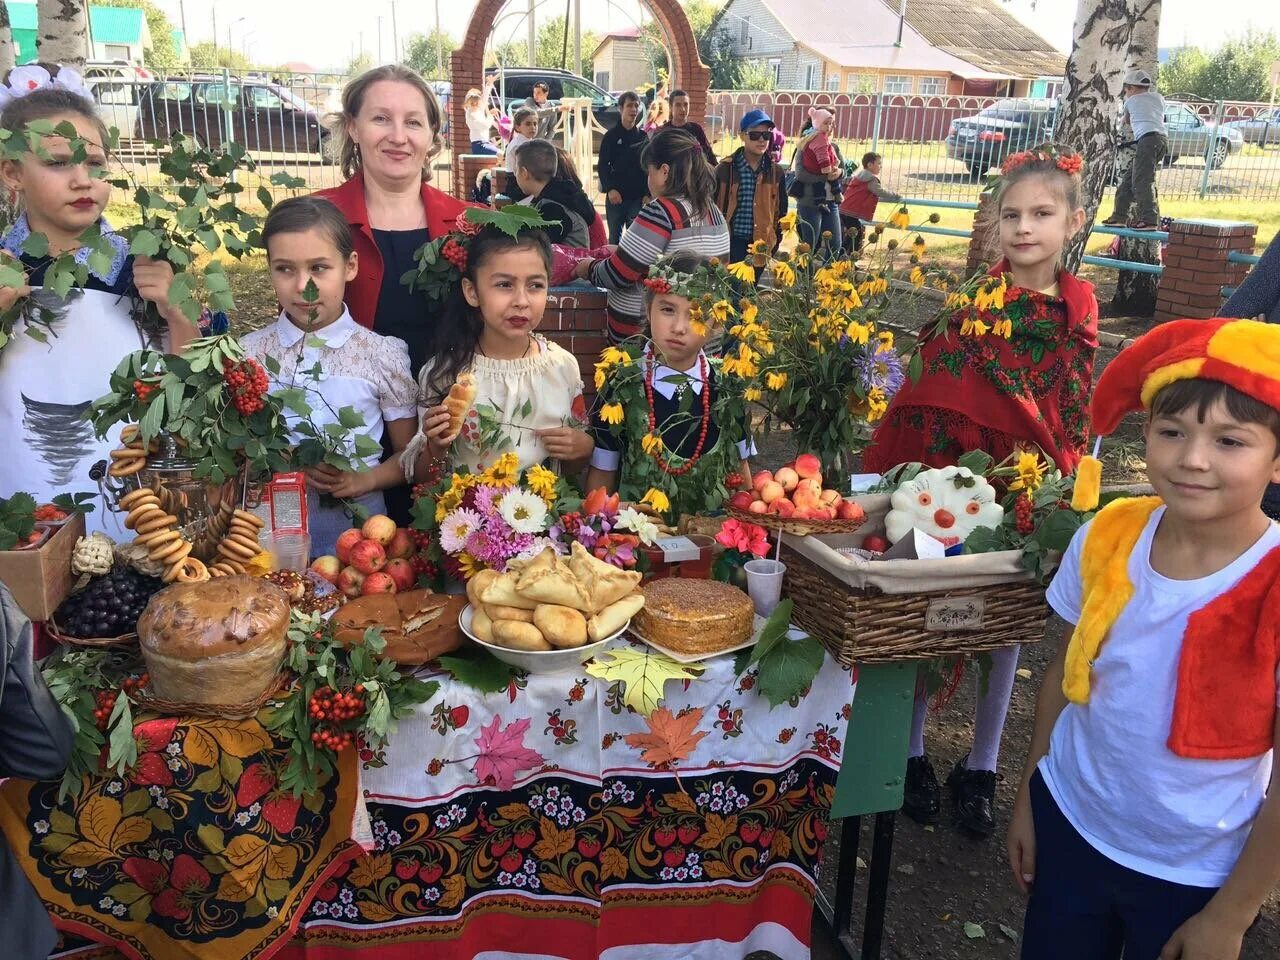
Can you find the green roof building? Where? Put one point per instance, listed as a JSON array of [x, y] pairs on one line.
[[118, 33]]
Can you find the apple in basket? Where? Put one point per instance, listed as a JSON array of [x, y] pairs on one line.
[[368, 557], [741, 500], [401, 571], [758, 480], [327, 567], [809, 467], [788, 478], [848, 510], [401, 546], [350, 581], [346, 540], [378, 582], [379, 528]]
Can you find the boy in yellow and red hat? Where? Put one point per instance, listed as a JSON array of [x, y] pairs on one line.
[[1148, 819]]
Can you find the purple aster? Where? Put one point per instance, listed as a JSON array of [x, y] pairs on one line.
[[881, 368]]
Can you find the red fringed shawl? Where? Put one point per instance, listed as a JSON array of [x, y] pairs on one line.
[[995, 394]]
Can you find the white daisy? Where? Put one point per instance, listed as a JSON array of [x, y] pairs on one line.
[[641, 524], [457, 527], [524, 512]]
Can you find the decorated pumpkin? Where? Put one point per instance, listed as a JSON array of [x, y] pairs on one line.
[[948, 504]]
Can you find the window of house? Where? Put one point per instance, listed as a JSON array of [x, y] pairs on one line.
[[897, 84], [860, 82], [744, 30], [812, 76], [115, 51], [775, 67], [833, 82], [602, 79], [932, 86]]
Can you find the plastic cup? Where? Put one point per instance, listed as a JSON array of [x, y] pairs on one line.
[[764, 584], [290, 550]]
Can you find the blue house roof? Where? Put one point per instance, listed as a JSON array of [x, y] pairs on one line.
[[109, 24]]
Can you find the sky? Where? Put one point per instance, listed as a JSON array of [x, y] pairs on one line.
[[327, 33]]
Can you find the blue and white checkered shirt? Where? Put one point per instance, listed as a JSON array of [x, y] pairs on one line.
[[744, 214]]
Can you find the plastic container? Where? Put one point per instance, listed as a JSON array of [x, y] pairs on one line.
[[291, 550], [764, 584]]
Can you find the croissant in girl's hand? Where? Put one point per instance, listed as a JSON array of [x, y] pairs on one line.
[[459, 400]]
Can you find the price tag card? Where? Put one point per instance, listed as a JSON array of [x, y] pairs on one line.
[[677, 549]]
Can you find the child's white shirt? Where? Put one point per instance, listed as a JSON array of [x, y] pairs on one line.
[[1146, 113], [358, 368], [1109, 766], [512, 146]]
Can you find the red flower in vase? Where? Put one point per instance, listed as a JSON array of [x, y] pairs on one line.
[[618, 549], [172, 888], [744, 537]]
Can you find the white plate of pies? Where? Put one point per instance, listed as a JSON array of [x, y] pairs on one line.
[[538, 661]]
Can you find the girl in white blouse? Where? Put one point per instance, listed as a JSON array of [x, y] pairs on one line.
[[528, 390], [308, 241]]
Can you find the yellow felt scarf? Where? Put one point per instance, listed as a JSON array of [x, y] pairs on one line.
[[1105, 585]]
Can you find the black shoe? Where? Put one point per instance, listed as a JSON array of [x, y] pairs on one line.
[[1115, 221], [921, 796], [973, 793]]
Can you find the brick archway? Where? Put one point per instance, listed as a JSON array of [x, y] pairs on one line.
[[688, 72]]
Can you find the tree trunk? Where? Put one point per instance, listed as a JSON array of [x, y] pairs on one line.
[[8, 56], [63, 35], [1136, 292], [1087, 112]]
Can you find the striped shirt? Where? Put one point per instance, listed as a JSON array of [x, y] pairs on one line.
[[662, 228]]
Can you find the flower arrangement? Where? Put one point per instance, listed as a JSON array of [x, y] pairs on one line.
[[480, 521], [742, 542], [601, 524]]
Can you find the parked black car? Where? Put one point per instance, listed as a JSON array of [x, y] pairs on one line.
[[1007, 126], [515, 85], [264, 117]]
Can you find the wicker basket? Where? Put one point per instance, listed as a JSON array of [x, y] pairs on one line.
[[799, 528], [127, 641]]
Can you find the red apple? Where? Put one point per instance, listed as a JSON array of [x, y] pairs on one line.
[[758, 506], [809, 467], [788, 478], [368, 556], [848, 510], [808, 493], [379, 528], [772, 491], [760, 479], [741, 500], [830, 498], [782, 507], [346, 540], [401, 571], [378, 583], [401, 546], [350, 581], [875, 544], [327, 567]]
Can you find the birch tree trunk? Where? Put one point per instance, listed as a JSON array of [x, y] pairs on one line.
[[63, 34], [1136, 292], [1087, 114], [8, 56]]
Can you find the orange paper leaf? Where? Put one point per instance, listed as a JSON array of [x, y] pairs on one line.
[[670, 738]]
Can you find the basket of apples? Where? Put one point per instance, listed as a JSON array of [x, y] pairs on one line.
[[376, 557], [794, 500]]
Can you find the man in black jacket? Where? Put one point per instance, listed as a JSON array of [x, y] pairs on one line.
[[35, 742], [622, 179]]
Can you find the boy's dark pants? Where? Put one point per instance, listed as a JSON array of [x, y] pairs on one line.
[[853, 233], [1084, 905], [1138, 185]]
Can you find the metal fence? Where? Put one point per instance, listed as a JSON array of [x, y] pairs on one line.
[[936, 147]]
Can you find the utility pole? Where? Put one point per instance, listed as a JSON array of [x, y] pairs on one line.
[[379, 41], [439, 46], [213, 11], [395, 31], [902, 19], [533, 37], [577, 37], [182, 10]]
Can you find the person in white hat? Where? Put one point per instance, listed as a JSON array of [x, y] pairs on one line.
[[1144, 115]]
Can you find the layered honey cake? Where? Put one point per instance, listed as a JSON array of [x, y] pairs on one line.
[[694, 616]]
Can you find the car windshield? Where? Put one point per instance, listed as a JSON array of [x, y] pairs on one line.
[[289, 96]]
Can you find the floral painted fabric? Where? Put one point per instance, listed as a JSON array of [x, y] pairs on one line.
[[548, 820], [195, 854]]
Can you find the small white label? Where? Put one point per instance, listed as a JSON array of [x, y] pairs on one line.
[[955, 614], [677, 549], [862, 482]]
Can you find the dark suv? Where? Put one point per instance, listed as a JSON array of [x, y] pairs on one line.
[[262, 116], [1007, 126], [515, 85]]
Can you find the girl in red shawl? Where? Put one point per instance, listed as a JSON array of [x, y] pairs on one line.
[[1011, 370]]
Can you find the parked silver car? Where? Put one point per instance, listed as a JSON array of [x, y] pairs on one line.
[[1263, 129], [1191, 136]]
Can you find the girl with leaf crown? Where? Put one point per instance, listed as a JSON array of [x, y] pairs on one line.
[[73, 301]]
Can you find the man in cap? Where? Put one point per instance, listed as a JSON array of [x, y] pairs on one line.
[[1144, 114], [749, 188]]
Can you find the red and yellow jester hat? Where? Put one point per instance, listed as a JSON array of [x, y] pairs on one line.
[[1244, 354]]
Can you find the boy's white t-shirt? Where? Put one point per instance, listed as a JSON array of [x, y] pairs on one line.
[[1109, 766], [1146, 113]]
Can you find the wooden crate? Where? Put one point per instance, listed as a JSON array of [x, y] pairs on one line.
[[41, 578]]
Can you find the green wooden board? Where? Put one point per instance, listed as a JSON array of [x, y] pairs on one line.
[[875, 747]]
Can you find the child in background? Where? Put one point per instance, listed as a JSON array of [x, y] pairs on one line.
[[524, 127], [621, 174], [642, 395], [861, 196], [679, 101], [1144, 115], [817, 155], [597, 233], [557, 200], [480, 120], [1006, 376], [528, 390], [308, 240], [1148, 817], [61, 353]]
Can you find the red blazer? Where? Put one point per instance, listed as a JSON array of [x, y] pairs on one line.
[[362, 292]]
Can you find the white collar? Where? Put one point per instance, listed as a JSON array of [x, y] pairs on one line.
[[667, 387], [334, 335]]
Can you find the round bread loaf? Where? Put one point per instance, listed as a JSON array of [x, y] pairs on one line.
[[694, 616], [214, 642]]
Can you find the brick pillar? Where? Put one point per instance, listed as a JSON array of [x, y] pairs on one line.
[[984, 243], [472, 164], [466, 72], [575, 319], [1196, 267]]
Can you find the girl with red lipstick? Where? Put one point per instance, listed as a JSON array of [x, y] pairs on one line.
[[1011, 373], [528, 396]]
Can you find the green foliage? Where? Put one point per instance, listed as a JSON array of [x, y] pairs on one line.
[[359, 64], [786, 665], [17, 519], [752, 75], [1238, 70], [421, 53], [209, 56], [550, 49]]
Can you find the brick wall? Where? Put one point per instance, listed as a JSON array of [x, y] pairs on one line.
[[1196, 267], [472, 164], [575, 320], [984, 243]]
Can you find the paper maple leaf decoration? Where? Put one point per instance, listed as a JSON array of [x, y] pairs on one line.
[[670, 738], [503, 753], [644, 674]]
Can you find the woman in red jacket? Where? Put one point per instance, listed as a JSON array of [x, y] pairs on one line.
[[386, 134]]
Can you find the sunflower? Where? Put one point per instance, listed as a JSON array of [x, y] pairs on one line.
[[651, 443], [917, 277], [721, 310], [742, 271], [449, 501], [656, 499], [468, 565], [758, 246], [900, 219], [611, 413], [775, 381], [973, 327], [543, 481], [610, 356], [504, 472], [602, 374], [858, 332], [1029, 472], [783, 273], [748, 310], [877, 404], [990, 295], [752, 394], [1003, 328]]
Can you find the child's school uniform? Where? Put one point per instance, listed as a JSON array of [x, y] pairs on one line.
[[1142, 806], [618, 447], [47, 447], [514, 398], [359, 369]]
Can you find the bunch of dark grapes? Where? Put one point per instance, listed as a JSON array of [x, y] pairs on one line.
[[109, 606], [247, 383]]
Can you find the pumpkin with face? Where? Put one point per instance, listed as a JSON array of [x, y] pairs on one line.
[[947, 503]]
